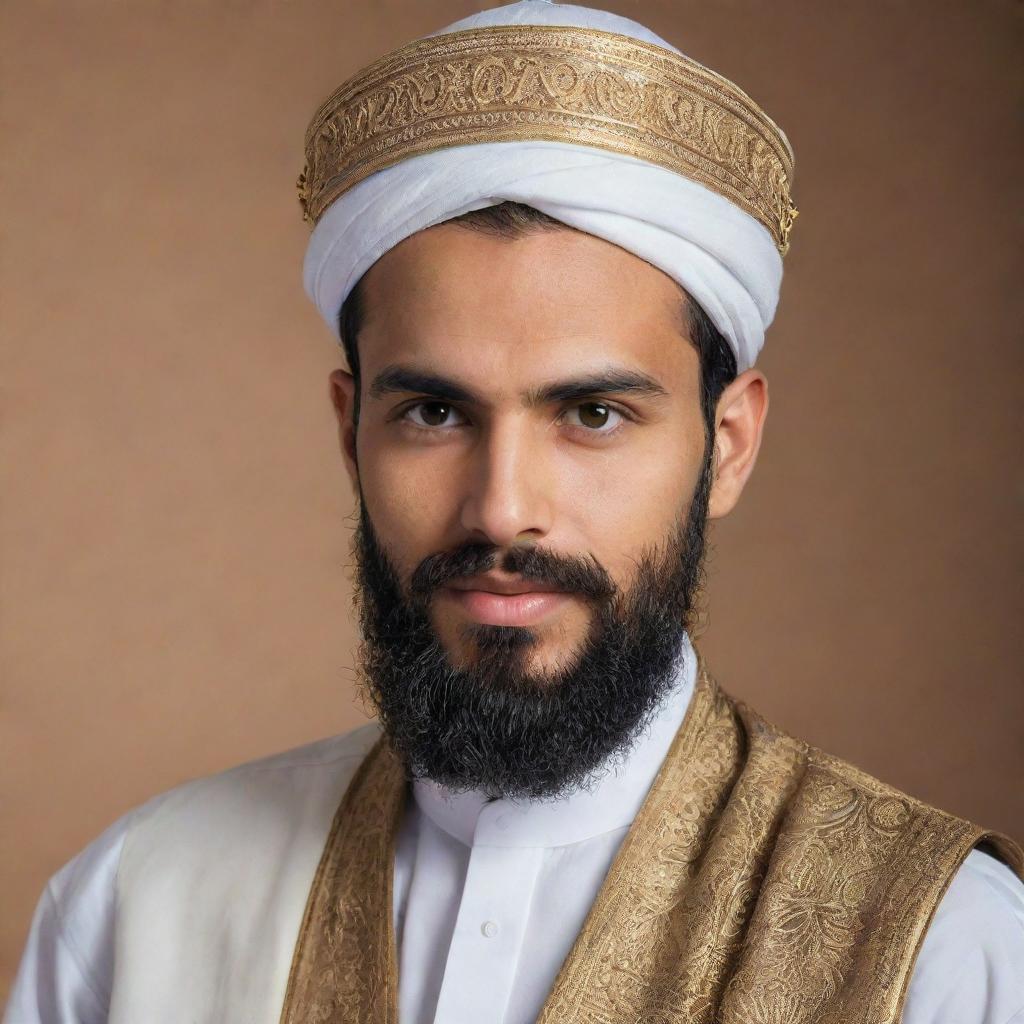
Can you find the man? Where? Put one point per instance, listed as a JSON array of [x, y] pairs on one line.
[[551, 245]]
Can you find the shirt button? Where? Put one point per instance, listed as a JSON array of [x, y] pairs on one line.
[[489, 929]]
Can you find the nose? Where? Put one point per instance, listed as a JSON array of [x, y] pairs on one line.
[[508, 492]]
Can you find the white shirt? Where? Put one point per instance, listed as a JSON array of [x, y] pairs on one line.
[[489, 897]]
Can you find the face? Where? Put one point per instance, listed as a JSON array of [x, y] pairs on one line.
[[529, 444]]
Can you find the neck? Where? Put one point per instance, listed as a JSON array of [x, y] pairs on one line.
[[608, 800]]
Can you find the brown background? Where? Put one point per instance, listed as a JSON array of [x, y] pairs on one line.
[[174, 522]]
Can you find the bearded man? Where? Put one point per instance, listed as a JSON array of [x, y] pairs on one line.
[[551, 245]]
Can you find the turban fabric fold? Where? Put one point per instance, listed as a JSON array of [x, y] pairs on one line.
[[719, 251]]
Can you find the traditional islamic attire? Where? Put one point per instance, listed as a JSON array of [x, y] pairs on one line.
[[606, 127], [721, 872]]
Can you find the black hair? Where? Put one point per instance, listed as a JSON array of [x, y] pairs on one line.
[[512, 220]]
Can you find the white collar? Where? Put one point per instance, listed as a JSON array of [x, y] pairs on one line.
[[609, 803]]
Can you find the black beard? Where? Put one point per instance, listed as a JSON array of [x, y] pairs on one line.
[[493, 725]]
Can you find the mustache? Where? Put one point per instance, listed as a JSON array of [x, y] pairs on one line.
[[578, 574]]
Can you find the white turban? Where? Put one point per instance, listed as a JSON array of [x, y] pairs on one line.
[[719, 253]]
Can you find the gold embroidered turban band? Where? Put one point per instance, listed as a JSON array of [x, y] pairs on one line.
[[585, 115], [505, 83]]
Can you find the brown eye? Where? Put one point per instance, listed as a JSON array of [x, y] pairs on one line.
[[433, 414], [594, 415]]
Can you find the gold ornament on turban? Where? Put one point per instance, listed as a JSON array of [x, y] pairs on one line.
[[582, 86]]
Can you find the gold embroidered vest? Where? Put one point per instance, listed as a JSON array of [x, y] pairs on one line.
[[762, 882]]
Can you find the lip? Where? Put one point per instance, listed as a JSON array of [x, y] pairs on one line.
[[494, 608], [494, 584]]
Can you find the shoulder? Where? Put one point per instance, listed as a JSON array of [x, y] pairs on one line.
[[67, 966], [228, 825], [266, 784], [828, 791], [955, 912], [971, 964]]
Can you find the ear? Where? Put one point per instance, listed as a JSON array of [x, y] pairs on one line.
[[739, 421], [343, 397]]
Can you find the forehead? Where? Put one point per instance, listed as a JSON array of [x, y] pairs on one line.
[[547, 303]]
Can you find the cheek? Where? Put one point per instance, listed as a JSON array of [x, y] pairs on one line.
[[411, 508], [621, 505], [613, 503]]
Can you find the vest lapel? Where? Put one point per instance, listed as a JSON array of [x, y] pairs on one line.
[[762, 882], [666, 926], [345, 963]]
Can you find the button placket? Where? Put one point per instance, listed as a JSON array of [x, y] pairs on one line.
[[481, 964]]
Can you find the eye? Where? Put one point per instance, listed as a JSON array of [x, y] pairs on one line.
[[597, 417], [433, 415]]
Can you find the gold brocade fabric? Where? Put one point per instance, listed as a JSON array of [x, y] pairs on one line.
[[762, 882], [582, 86], [344, 968]]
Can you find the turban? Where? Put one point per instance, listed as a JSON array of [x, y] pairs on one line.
[[588, 117]]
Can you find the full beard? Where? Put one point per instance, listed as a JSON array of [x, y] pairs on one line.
[[494, 725]]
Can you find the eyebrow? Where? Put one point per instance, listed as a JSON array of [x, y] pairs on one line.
[[609, 381]]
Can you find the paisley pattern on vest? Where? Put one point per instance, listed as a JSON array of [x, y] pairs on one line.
[[762, 882]]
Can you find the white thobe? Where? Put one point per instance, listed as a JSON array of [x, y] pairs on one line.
[[489, 897]]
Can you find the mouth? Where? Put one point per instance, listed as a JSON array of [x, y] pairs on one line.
[[505, 601]]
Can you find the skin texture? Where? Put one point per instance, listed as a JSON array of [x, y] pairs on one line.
[[605, 474]]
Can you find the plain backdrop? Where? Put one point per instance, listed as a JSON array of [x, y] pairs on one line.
[[175, 521]]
